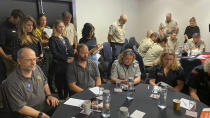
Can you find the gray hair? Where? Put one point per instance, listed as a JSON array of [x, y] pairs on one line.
[[20, 52], [207, 65], [154, 34], [196, 35], [66, 14]]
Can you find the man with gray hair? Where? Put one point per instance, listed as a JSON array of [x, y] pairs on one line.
[[169, 25], [200, 83], [71, 33], [196, 42], [147, 43], [26, 88], [116, 36]]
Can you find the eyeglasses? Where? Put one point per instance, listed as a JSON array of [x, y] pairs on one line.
[[31, 60]]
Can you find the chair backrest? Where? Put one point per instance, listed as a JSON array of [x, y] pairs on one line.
[[188, 65], [107, 52], [133, 42], [141, 65], [124, 45]]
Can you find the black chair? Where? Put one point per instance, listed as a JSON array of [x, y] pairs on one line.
[[105, 61], [188, 65]]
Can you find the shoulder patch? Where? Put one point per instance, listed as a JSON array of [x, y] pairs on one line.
[[112, 27], [28, 86], [39, 78]]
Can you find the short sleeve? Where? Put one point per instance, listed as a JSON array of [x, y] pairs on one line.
[[186, 31], [114, 72], [75, 33], [180, 74], [43, 76], [194, 80], [202, 45], [111, 29], [161, 26], [15, 97], [137, 73], [152, 72], [71, 74]]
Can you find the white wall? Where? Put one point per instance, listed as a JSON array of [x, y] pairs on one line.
[[142, 15]]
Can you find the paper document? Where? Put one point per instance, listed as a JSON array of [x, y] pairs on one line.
[[95, 90], [48, 31], [185, 103], [74, 102], [137, 114]]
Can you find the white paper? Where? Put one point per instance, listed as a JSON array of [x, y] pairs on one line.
[[48, 31], [74, 102], [98, 56], [206, 109], [95, 90], [137, 114], [185, 103]]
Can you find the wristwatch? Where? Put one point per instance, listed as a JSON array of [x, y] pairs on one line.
[[40, 115]]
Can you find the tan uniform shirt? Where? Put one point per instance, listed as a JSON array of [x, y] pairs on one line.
[[120, 71], [199, 45], [145, 45], [172, 44], [172, 25], [118, 32], [70, 33], [152, 54]]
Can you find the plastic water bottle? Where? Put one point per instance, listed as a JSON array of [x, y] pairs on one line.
[[131, 89], [106, 104], [163, 98]]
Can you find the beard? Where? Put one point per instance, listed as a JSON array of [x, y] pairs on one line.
[[83, 58], [29, 69]]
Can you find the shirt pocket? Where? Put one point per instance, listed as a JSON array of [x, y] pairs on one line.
[[119, 31], [121, 74]]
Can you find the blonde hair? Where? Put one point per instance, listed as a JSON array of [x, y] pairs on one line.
[[175, 64], [207, 65], [125, 53], [55, 33], [22, 33]]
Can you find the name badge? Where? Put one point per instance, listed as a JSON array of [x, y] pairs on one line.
[[28, 86]]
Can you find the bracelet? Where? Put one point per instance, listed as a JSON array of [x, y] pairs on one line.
[[40, 115]]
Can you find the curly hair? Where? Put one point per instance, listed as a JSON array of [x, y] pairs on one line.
[[125, 53], [87, 29], [175, 64]]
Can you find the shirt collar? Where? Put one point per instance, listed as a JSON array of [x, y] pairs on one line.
[[77, 63], [118, 23], [168, 22]]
